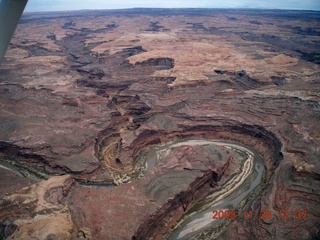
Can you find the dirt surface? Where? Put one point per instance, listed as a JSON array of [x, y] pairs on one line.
[[84, 96]]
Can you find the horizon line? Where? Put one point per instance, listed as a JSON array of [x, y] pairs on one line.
[[174, 8]]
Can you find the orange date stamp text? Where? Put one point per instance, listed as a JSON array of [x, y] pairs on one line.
[[262, 214]]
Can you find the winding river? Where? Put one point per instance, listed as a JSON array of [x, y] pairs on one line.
[[233, 192], [237, 189]]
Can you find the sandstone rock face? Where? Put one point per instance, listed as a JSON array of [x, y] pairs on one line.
[[93, 99]]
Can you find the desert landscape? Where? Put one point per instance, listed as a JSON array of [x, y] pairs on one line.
[[161, 124]]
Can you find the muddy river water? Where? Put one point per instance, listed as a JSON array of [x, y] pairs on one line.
[[10, 167], [233, 192]]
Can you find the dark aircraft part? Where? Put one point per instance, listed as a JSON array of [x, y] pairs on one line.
[[10, 12]]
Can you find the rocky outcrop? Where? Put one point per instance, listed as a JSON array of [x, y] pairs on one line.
[[37, 211], [92, 73], [157, 63]]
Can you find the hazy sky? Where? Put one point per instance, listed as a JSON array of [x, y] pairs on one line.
[[58, 5]]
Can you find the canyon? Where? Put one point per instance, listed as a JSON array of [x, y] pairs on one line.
[[90, 102]]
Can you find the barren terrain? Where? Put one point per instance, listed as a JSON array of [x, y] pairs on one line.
[[88, 97]]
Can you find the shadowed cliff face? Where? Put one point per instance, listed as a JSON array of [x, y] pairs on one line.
[[91, 96]]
